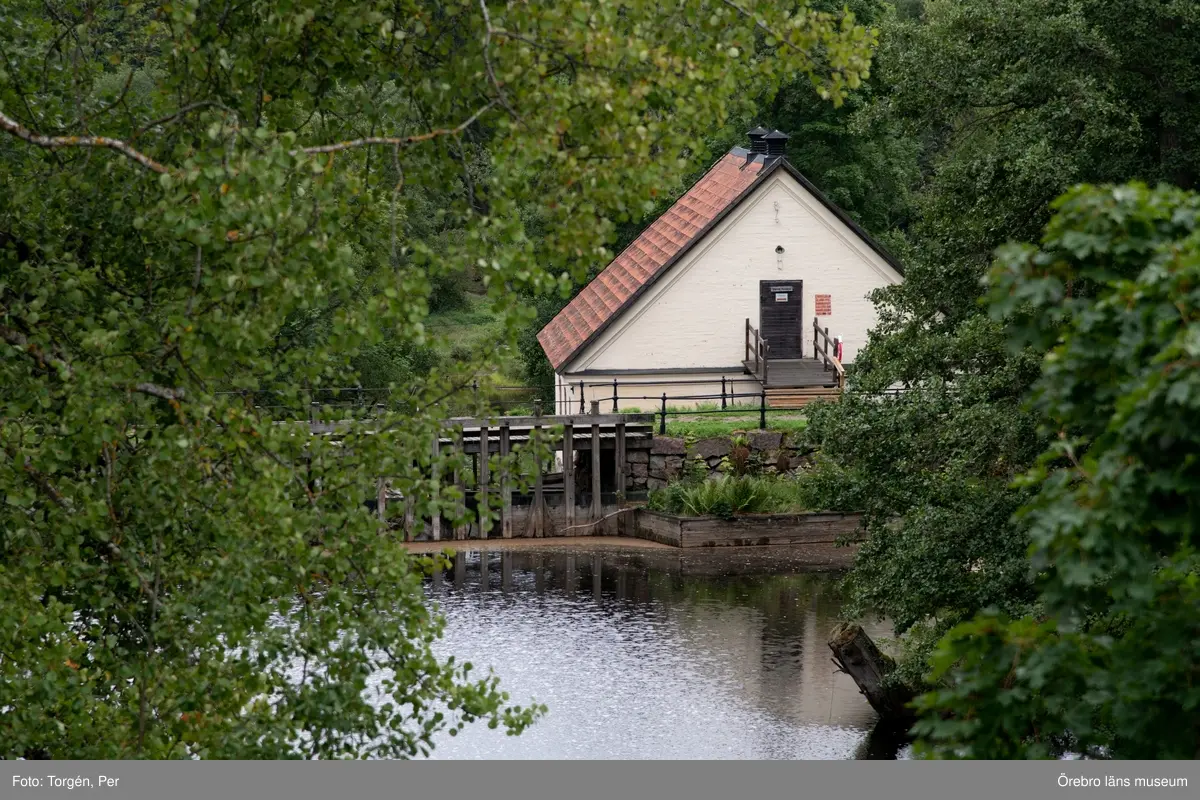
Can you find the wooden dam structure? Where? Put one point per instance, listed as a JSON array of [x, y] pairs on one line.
[[583, 493]]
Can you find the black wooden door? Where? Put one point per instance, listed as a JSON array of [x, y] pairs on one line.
[[780, 316]]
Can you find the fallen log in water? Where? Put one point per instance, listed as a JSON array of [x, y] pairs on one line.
[[856, 655]]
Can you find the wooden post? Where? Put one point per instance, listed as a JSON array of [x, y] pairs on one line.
[[481, 497], [460, 569], [597, 565], [461, 527], [381, 499], [568, 450], [484, 580], [505, 486], [536, 517], [435, 523], [409, 517], [505, 570], [570, 579], [857, 656], [620, 460], [595, 474]]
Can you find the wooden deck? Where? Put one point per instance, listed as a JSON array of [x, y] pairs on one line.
[[794, 373]]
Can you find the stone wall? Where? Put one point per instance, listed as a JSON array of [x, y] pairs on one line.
[[770, 452]]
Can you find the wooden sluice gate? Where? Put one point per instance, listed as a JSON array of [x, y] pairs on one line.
[[580, 495]]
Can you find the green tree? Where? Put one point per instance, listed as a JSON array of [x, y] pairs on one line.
[[1012, 102], [1107, 665], [200, 198]]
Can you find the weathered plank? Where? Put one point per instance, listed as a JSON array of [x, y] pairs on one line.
[[462, 526], [620, 462], [381, 488], [537, 517], [435, 523], [506, 529], [568, 451], [481, 502], [659, 527], [595, 472]]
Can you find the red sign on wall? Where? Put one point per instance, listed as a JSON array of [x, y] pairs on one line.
[[824, 305]]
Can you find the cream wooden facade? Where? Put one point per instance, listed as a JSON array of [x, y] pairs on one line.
[[689, 324]]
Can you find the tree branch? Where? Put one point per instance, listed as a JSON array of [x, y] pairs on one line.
[[163, 392], [10, 125], [762, 26], [18, 339], [400, 141]]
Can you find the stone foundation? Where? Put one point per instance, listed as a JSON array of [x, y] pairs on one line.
[[670, 457]]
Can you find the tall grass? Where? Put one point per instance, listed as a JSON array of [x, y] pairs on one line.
[[728, 496]]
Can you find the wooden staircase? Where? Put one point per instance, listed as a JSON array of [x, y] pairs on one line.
[[801, 396]]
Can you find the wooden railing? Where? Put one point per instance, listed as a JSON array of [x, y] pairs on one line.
[[821, 347], [762, 351]]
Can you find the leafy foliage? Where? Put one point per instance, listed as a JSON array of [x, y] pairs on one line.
[[203, 198], [728, 495], [1012, 102], [1109, 664]]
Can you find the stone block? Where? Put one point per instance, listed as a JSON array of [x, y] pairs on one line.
[[640, 470], [668, 446], [638, 457], [655, 483], [708, 448], [765, 440]]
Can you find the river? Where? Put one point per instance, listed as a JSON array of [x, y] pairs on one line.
[[654, 654]]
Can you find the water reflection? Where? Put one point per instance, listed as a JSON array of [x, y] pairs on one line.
[[652, 655]]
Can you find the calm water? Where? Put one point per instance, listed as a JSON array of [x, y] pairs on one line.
[[650, 654]]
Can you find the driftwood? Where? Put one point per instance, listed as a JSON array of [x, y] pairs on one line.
[[856, 655]]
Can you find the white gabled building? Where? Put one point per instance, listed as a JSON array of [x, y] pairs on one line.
[[733, 286]]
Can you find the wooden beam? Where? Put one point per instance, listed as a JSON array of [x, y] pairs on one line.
[[472, 423], [620, 461], [505, 486], [409, 517], [481, 497], [505, 570], [461, 527], [536, 517], [381, 499], [435, 522], [568, 450], [595, 474]]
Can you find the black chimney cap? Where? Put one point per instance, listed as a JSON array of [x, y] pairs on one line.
[[775, 141], [757, 145]]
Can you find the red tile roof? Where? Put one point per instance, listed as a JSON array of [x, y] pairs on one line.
[[648, 255]]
